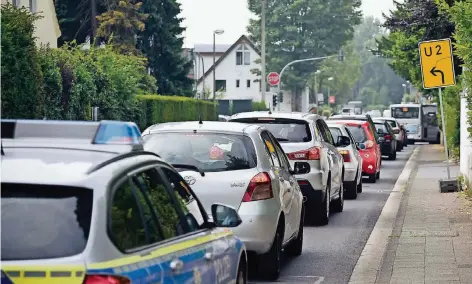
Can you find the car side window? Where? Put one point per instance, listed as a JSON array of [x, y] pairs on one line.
[[325, 133], [127, 228], [186, 200], [328, 134], [320, 130], [160, 199], [280, 153], [353, 141], [270, 148]]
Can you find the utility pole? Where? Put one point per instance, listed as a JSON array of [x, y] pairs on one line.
[[93, 20], [263, 52]]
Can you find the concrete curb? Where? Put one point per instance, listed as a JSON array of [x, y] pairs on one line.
[[370, 261]]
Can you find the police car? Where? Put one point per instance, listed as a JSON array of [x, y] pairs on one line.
[[83, 203]]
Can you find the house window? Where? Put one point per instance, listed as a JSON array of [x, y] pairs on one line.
[[248, 83], [15, 3], [243, 56], [220, 85], [237, 83]]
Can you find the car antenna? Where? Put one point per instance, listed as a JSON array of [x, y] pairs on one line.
[[200, 115], [3, 153]]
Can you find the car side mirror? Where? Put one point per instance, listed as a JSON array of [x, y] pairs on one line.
[[225, 216], [343, 141], [361, 146]]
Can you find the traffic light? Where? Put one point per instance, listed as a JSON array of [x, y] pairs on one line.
[[274, 100]]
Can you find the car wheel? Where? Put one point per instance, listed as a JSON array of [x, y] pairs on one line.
[[372, 178], [322, 210], [399, 147], [377, 175], [338, 204], [392, 156], [296, 246], [269, 263], [242, 275], [359, 186], [351, 189]]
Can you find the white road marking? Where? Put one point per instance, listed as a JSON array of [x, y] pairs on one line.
[[294, 279]]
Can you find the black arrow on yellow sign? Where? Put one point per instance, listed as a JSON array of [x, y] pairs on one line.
[[434, 71]]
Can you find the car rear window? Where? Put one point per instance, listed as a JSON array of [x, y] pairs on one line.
[[335, 132], [358, 133], [393, 123], [284, 130], [210, 152], [44, 221], [381, 126]]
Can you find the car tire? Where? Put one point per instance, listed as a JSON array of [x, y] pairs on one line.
[[377, 175], [359, 186], [322, 210], [242, 274], [399, 147], [351, 190], [338, 204], [373, 178], [269, 263], [393, 156], [295, 247]]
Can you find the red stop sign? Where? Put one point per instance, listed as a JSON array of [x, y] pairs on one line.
[[273, 78]]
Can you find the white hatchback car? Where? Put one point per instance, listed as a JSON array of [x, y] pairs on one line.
[[245, 167], [352, 160]]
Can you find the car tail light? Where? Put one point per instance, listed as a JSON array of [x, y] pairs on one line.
[[310, 154], [346, 155], [369, 144], [396, 131], [303, 182], [106, 279], [388, 137], [259, 188]]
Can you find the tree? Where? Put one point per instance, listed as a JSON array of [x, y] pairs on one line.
[[120, 24], [21, 77], [161, 42], [311, 28]]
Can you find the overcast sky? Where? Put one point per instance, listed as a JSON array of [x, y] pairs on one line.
[[204, 16]]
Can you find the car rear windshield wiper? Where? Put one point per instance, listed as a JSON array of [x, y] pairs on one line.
[[282, 139], [189, 167]]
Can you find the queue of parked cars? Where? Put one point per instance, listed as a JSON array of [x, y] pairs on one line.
[[181, 202]]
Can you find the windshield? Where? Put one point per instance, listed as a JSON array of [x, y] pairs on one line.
[[210, 152], [335, 132], [44, 221], [405, 112], [358, 133], [284, 130], [381, 126]]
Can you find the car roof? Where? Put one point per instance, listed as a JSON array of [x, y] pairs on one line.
[[349, 121], [206, 126], [405, 105], [288, 115], [363, 116], [36, 151]]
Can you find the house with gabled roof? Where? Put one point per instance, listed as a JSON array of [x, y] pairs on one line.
[[234, 79]]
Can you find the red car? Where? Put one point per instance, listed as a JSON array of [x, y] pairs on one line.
[[368, 147]]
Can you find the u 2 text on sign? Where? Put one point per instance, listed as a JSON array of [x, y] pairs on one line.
[[437, 64]]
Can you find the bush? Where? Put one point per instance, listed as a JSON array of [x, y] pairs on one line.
[[259, 106], [21, 74], [158, 109]]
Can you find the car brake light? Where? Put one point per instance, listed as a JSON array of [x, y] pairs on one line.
[[106, 279], [310, 154], [259, 188], [346, 155], [396, 131], [369, 144], [388, 137]]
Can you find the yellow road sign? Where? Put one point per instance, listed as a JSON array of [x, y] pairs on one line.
[[437, 65]]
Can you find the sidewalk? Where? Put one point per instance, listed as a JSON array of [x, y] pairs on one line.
[[430, 239]]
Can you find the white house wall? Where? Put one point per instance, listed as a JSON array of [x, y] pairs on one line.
[[229, 71]]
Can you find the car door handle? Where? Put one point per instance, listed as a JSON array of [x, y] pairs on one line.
[[208, 256], [176, 265]]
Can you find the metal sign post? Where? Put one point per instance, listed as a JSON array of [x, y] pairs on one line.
[[445, 136], [437, 69]]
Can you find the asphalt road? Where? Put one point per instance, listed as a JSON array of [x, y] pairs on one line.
[[331, 252]]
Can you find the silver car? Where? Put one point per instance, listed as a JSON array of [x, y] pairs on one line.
[[312, 153], [83, 203], [352, 159], [243, 166]]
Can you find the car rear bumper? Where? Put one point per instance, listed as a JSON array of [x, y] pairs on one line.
[[350, 173], [260, 219], [387, 148], [369, 163]]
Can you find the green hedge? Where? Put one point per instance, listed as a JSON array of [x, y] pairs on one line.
[[159, 109], [259, 106]]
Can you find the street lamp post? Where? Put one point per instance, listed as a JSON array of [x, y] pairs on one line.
[[340, 56], [315, 89], [215, 32], [329, 79], [263, 52]]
